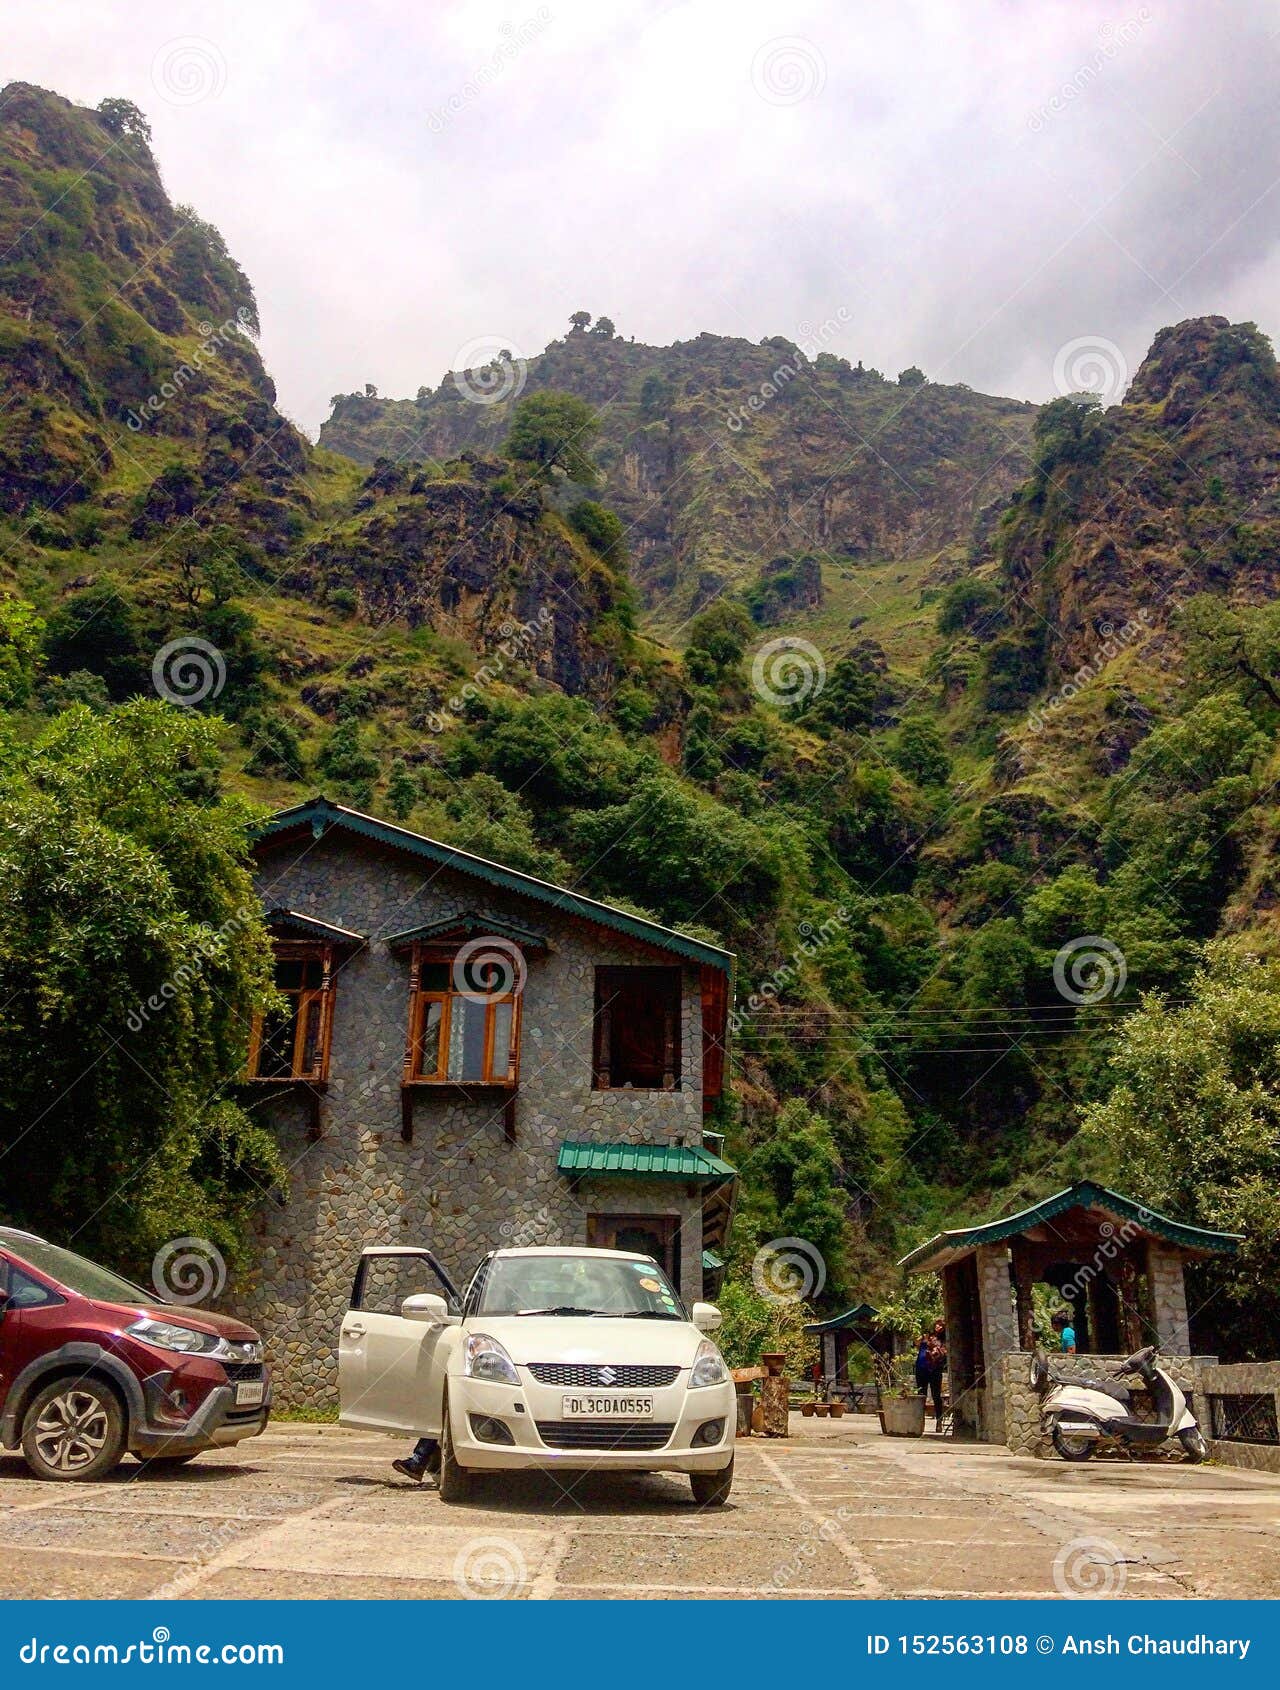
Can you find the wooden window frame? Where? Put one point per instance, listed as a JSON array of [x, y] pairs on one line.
[[601, 1028], [424, 955], [302, 951]]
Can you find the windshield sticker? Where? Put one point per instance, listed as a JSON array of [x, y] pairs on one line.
[[650, 1285]]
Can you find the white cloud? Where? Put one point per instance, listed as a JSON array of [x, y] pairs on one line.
[[975, 185]]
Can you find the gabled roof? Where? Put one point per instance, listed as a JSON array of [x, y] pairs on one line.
[[308, 927], [643, 1161], [319, 816], [948, 1247], [492, 926], [861, 1315]]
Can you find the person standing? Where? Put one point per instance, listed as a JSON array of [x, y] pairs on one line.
[[1066, 1332]]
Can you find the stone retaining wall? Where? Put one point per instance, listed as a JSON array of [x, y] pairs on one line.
[[1246, 1378]]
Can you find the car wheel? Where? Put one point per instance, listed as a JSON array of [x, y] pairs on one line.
[[1072, 1449], [74, 1429], [1192, 1441], [456, 1482], [711, 1490]]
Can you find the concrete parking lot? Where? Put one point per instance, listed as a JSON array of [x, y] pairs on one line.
[[835, 1511]]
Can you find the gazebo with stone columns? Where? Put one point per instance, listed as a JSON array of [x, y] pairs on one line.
[[1115, 1263]]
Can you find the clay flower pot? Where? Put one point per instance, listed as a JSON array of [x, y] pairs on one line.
[[837, 1410], [807, 1409], [822, 1409]]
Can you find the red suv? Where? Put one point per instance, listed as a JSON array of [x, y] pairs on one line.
[[92, 1366]]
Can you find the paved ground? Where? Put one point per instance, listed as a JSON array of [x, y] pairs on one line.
[[835, 1511]]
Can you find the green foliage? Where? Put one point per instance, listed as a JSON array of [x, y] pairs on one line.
[[484, 817], [274, 747], [551, 435], [971, 606], [122, 117], [349, 763], [1192, 1126], [101, 630], [718, 640], [602, 529], [132, 952], [921, 752], [21, 634], [403, 791]]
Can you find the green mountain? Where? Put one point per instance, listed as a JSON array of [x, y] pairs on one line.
[[723, 457], [1037, 706]]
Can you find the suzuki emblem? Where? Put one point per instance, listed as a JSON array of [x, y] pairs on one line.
[[607, 1376]]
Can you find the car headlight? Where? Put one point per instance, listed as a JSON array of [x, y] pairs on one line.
[[708, 1366], [166, 1336], [486, 1359]]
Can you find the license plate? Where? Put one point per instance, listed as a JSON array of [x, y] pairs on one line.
[[606, 1406], [249, 1394]]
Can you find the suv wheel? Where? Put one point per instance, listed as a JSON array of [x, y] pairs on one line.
[[74, 1429]]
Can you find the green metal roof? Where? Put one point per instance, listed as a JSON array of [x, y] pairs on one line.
[[643, 1161], [292, 921], [491, 926], [711, 1263], [948, 1247], [862, 1315], [321, 815]]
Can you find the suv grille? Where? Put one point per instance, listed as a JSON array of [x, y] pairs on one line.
[[606, 1434], [587, 1377], [238, 1370]]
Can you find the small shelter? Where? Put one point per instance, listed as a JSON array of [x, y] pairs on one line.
[[858, 1325], [1115, 1263]]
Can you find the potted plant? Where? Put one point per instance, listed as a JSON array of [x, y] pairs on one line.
[[901, 1406], [837, 1408]]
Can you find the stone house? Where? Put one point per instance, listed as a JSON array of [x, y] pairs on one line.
[[470, 1058]]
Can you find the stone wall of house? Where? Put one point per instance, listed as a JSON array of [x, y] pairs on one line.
[[459, 1186]]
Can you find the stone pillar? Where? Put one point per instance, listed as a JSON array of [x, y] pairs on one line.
[[999, 1334], [1168, 1297]]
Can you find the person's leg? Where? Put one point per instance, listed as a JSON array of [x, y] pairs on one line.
[[935, 1385], [425, 1457]]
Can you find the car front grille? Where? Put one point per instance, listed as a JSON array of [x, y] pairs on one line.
[[237, 1371], [588, 1376], [604, 1434]]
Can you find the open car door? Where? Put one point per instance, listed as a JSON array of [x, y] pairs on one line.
[[390, 1370]]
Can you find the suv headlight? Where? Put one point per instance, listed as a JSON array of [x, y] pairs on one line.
[[185, 1339], [486, 1359], [708, 1366]]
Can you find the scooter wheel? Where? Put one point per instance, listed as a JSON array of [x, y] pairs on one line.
[[1192, 1441], [1072, 1449]]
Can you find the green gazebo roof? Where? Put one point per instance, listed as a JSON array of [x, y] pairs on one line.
[[861, 1315], [947, 1247]]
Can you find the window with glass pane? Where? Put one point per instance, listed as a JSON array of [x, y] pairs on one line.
[[291, 1043], [460, 1039]]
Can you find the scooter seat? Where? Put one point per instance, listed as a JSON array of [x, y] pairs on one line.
[[1109, 1387]]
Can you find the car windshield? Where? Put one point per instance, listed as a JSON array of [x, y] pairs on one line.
[[581, 1286], [74, 1273]]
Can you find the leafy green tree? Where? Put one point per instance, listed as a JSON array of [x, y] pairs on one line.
[[122, 117], [274, 747], [349, 763], [602, 529], [604, 327], [484, 817], [550, 435], [102, 630], [21, 638], [402, 790], [1192, 1126], [797, 1169], [718, 640], [921, 752], [579, 320], [1235, 647], [132, 953], [912, 376], [970, 606]]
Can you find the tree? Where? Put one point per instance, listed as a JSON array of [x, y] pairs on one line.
[[912, 376], [122, 117], [550, 434], [348, 762], [921, 752], [604, 326], [602, 529], [579, 320], [402, 790], [132, 953], [1192, 1126], [21, 634]]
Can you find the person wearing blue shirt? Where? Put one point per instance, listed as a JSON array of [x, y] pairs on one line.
[[1066, 1332]]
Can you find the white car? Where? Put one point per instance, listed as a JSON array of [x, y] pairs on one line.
[[554, 1359]]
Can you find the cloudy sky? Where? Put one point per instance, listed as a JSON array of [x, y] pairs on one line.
[[1007, 193]]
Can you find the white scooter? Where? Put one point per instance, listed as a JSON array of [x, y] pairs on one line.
[[1079, 1413]]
